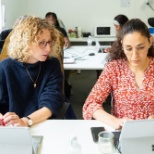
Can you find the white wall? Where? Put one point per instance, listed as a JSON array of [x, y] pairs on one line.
[[13, 10], [83, 13]]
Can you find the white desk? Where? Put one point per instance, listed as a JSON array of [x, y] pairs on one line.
[[86, 62], [100, 39], [56, 135]]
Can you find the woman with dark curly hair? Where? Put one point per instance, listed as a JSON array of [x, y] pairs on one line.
[[129, 76]]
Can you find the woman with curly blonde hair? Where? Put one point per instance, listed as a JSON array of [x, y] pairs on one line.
[[31, 80]]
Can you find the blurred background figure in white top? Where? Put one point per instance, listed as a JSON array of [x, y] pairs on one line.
[[118, 22]]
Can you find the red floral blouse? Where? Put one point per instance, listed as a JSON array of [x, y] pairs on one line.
[[128, 100]]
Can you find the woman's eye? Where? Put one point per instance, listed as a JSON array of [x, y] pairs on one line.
[[140, 48], [42, 43], [129, 49]]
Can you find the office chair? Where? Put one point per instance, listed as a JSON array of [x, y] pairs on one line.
[[151, 21]]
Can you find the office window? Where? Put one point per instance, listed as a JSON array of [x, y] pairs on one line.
[[2, 16]]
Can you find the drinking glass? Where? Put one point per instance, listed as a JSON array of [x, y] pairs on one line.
[[106, 142]]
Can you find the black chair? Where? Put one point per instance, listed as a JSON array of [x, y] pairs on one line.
[[151, 22], [1, 44], [3, 36]]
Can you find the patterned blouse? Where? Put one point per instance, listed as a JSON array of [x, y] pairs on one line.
[[127, 99]]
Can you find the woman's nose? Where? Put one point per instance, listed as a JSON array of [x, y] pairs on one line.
[[48, 47], [134, 53]]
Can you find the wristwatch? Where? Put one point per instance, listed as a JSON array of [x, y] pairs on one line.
[[30, 122]]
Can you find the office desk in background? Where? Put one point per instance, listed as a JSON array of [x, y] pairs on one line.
[[83, 40], [83, 61], [56, 135]]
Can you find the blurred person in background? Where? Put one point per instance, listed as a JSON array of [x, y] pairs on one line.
[[118, 22], [52, 19]]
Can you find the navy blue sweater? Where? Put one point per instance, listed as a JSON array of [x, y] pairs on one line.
[[17, 93]]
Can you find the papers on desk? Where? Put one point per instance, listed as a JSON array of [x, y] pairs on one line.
[[68, 59], [84, 58], [72, 54]]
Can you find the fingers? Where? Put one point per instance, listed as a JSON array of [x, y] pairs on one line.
[[9, 114], [1, 116], [10, 118], [107, 49], [67, 44], [123, 120], [13, 123], [151, 117]]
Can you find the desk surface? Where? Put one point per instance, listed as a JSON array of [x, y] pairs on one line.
[[56, 135], [84, 61], [100, 39]]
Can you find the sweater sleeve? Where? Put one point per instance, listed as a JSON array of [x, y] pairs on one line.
[[52, 95], [3, 92]]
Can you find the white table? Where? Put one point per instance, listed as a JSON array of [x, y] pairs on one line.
[[100, 39], [83, 61], [56, 135]]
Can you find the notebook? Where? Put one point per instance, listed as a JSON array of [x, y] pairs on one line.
[[18, 140], [137, 137]]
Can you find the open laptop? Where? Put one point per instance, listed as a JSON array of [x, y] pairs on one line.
[[137, 137], [18, 140]]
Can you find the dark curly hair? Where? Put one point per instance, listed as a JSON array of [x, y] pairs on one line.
[[133, 25]]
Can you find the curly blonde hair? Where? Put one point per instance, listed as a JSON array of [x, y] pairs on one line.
[[26, 32]]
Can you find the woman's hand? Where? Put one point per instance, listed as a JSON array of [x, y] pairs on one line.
[[11, 118], [114, 122], [1, 119], [107, 50], [67, 42], [151, 117], [118, 123], [1, 116]]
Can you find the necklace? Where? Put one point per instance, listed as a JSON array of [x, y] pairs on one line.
[[34, 82]]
